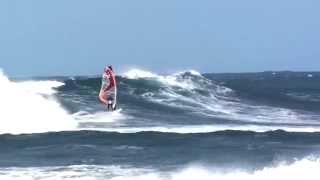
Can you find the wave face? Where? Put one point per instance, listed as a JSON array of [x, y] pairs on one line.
[[188, 102], [180, 126]]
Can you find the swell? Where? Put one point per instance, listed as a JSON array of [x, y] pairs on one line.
[[101, 137], [284, 89], [223, 148]]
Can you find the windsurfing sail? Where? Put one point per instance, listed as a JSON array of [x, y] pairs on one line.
[[108, 92]]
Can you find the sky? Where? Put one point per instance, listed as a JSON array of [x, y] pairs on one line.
[[79, 37]]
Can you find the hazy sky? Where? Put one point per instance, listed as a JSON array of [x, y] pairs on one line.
[[65, 37]]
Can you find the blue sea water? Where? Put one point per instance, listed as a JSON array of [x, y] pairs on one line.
[[180, 126]]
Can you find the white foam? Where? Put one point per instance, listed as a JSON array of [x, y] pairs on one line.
[[186, 129], [191, 71], [99, 117], [170, 80], [307, 168], [85, 172], [40, 87], [138, 73], [24, 109]]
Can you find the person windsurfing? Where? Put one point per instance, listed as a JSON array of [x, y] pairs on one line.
[[108, 85]]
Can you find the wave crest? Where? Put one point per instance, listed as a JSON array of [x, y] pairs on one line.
[[192, 92]]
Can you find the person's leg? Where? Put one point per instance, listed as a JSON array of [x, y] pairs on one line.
[[110, 101], [109, 107], [103, 97]]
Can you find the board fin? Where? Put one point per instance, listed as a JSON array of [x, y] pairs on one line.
[[114, 107]]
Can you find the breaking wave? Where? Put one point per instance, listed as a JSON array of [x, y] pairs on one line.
[[29, 107], [192, 92]]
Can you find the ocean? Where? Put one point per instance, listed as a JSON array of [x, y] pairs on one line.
[[179, 126]]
